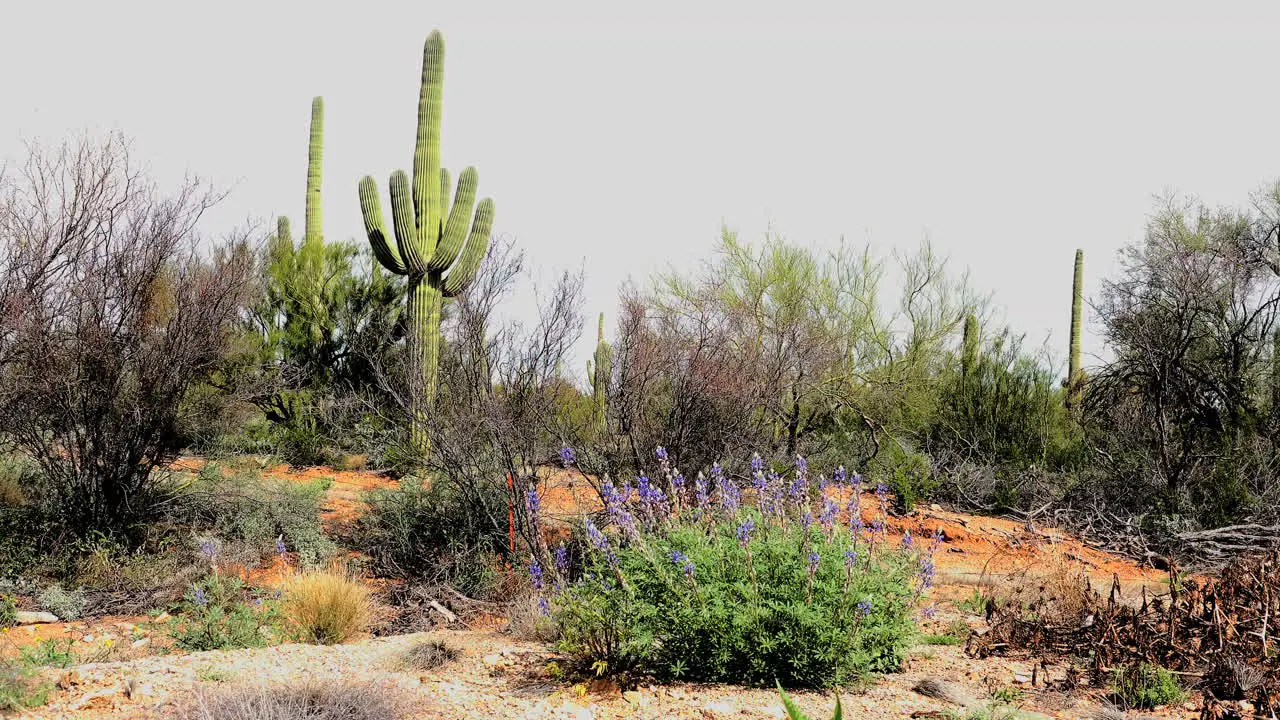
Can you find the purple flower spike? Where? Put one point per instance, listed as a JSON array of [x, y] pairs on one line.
[[280, 546], [208, 549], [839, 476], [744, 532], [200, 598], [567, 457], [683, 562], [533, 504], [661, 453], [814, 559], [864, 607], [850, 557], [535, 572]]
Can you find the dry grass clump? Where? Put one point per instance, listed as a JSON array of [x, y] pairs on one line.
[[327, 607], [310, 701], [1056, 589], [526, 621], [429, 655]]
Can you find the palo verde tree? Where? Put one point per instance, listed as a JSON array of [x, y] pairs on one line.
[[432, 247]]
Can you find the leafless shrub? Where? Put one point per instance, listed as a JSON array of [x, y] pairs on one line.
[[109, 314]]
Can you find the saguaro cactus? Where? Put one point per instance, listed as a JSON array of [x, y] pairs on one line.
[[600, 374], [428, 248], [1074, 379], [969, 347]]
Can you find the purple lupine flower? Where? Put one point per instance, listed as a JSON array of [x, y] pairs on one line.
[[257, 602], [928, 572], [882, 493], [744, 532], [856, 482], [864, 606], [828, 516], [822, 485], [854, 508], [929, 612], [935, 542], [717, 474], [701, 497], [533, 504], [806, 520], [774, 492], [730, 497], [661, 453], [839, 476], [208, 549], [802, 467], [814, 559], [850, 557], [601, 543], [200, 598], [280, 546], [762, 490], [757, 464], [877, 526], [678, 482], [567, 458], [535, 572], [544, 607], [562, 560], [650, 494], [683, 562], [907, 540], [615, 502]]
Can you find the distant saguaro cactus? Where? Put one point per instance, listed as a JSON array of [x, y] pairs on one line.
[[969, 347], [1074, 379], [429, 237], [600, 373]]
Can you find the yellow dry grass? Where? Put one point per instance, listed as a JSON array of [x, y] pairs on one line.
[[327, 607]]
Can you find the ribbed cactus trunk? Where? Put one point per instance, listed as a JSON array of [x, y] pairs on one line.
[[969, 348], [1074, 379], [600, 375], [432, 245], [312, 254], [1275, 374]]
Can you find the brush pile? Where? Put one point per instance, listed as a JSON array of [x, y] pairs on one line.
[[1221, 630]]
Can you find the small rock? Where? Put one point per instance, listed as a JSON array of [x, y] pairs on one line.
[[1020, 678], [68, 679], [722, 709], [935, 507], [141, 643], [88, 639], [32, 618]]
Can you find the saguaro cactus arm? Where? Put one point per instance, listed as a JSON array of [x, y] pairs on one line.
[[464, 270], [455, 230], [376, 228]]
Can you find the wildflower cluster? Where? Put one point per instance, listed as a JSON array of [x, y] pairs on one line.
[[714, 582]]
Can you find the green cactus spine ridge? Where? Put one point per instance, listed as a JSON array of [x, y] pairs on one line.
[[969, 347], [1075, 379], [600, 372], [437, 244]]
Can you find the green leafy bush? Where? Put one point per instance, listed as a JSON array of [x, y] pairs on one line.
[[1146, 686], [253, 511], [50, 652], [219, 614], [8, 611], [746, 596], [66, 604], [419, 531]]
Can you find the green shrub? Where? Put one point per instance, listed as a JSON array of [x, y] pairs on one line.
[[908, 475], [1145, 686], [246, 508], [8, 611], [20, 689], [749, 597], [417, 531], [219, 614], [66, 604]]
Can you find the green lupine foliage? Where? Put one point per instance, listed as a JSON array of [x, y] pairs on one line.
[[432, 245]]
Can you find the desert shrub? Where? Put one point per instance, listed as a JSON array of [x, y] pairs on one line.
[[419, 531], [20, 688], [908, 475], [253, 511], [66, 604], [1146, 686], [219, 614], [8, 611], [312, 701], [721, 593], [527, 621], [327, 607], [430, 654], [17, 473]]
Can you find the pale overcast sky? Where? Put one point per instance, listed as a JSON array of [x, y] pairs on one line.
[[616, 141]]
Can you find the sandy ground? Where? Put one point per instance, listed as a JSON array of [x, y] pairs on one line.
[[132, 672]]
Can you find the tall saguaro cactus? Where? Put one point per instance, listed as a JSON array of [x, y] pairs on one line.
[[1074, 379], [600, 374], [429, 237], [969, 347]]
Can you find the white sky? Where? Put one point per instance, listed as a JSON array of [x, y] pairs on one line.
[[617, 142]]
